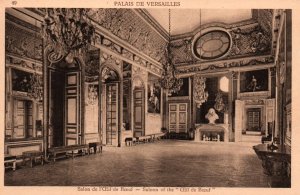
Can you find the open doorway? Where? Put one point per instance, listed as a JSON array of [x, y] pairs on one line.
[[111, 108], [253, 121]]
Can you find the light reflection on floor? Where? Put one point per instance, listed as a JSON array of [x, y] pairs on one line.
[[165, 163]]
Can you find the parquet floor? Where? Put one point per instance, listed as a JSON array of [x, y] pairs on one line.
[[171, 163]]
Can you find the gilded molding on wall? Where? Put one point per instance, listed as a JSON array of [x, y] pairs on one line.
[[255, 102], [207, 67], [254, 95], [20, 63]]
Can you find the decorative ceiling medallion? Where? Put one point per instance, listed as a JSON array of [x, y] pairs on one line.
[[213, 44]]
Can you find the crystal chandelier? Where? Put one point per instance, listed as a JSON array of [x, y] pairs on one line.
[[200, 95], [68, 30], [169, 81]]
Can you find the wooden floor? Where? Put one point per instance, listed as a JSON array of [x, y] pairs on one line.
[[171, 163]]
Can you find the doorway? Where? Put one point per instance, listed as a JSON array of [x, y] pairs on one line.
[[139, 112], [111, 114], [111, 106], [56, 111], [253, 120]]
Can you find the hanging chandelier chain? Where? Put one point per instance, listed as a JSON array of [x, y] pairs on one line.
[[169, 25], [199, 91], [169, 81], [200, 17]]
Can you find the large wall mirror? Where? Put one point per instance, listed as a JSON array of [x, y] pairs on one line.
[[127, 75], [91, 91]]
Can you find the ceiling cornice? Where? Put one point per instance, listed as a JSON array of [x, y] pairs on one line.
[[150, 20]]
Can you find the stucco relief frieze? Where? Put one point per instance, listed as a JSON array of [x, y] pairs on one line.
[[226, 65], [250, 41], [246, 41], [125, 24], [24, 64], [23, 43], [264, 18], [137, 71], [129, 55], [107, 59], [182, 51]]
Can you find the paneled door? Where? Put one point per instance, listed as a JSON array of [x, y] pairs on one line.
[[253, 119], [111, 113], [138, 120], [178, 117], [72, 109]]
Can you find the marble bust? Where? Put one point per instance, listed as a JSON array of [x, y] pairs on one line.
[[211, 116]]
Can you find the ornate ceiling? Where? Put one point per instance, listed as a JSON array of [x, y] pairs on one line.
[[187, 20]]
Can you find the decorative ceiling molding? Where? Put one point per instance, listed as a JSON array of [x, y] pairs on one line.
[[150, 20], [23, 24]]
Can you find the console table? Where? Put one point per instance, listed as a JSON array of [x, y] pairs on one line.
[[276, 162]]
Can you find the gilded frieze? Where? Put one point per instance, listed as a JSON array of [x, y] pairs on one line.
[[23, 43], [24, 64], [125, 24], [227, 65]]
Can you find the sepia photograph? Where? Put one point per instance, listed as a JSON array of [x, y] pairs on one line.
[[146, 99]]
